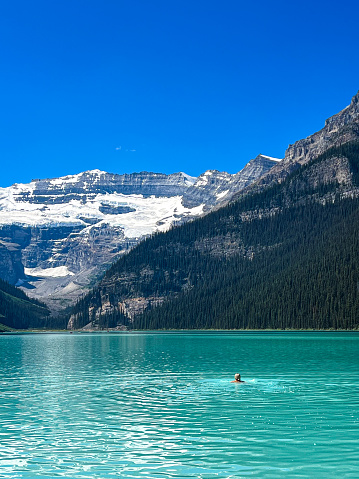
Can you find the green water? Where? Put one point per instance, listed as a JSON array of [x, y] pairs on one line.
[[161, 405]]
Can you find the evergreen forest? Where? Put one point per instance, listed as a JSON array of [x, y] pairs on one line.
[[18, 311]]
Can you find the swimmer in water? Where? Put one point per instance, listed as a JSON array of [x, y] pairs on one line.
[[237, 379]]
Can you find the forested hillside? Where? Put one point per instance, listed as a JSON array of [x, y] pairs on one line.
[[282, 258], [18, 311]]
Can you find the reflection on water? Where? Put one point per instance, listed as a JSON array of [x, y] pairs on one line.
[[162, 405]]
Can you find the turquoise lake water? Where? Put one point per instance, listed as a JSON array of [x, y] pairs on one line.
[[161, 405]]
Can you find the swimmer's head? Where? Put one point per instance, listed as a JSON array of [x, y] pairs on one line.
[[237, 377]]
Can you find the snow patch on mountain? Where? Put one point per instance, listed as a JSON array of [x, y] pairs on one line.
[[271, 158], [66, 231], [191, 180], [149, 213], [222, 194], [204, 178], [56, 272]]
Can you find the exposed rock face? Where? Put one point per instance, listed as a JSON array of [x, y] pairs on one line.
[[67, 231], [215, 187], [90, 183], [338, 130], [13, 239], [10, 262]]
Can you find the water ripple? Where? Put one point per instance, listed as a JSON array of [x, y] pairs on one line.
[[147, 405]]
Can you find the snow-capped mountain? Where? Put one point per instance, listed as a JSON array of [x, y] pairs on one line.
[[57, 235]]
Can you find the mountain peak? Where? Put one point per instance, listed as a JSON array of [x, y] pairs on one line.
[[96, 172], [355, 99], [338, 129], [189, 179], [277, 160], [71, 227], [265, 158]]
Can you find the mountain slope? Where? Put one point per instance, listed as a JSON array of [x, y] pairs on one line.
[[19, 311], [338, 130], [283, 257], [58, 235]]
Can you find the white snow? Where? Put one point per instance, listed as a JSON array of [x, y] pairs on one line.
[[190, 179], [203, 179], [96, 172], [151, 213], [71, 179], [221, 195], [58, 271], [202, 182], [271, 158]]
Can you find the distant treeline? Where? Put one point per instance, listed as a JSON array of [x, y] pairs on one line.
[[19, 311]]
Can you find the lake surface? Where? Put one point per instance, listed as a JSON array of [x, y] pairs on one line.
[[161, 405]]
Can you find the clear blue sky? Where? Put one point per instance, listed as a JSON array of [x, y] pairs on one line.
[[167, 86]]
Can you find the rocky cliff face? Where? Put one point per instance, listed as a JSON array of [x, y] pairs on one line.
[[13, 240], [338, 130], [215, 187], [10, 262], [90, 183], [58, 235]]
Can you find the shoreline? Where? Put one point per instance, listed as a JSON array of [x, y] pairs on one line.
[[159, 331]]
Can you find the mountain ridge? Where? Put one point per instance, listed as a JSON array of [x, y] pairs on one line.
[[57, 235], [169, 265], [165, 279], [147, 282], [338, 129]]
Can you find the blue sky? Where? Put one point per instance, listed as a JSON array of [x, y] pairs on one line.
[[165, 86]]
